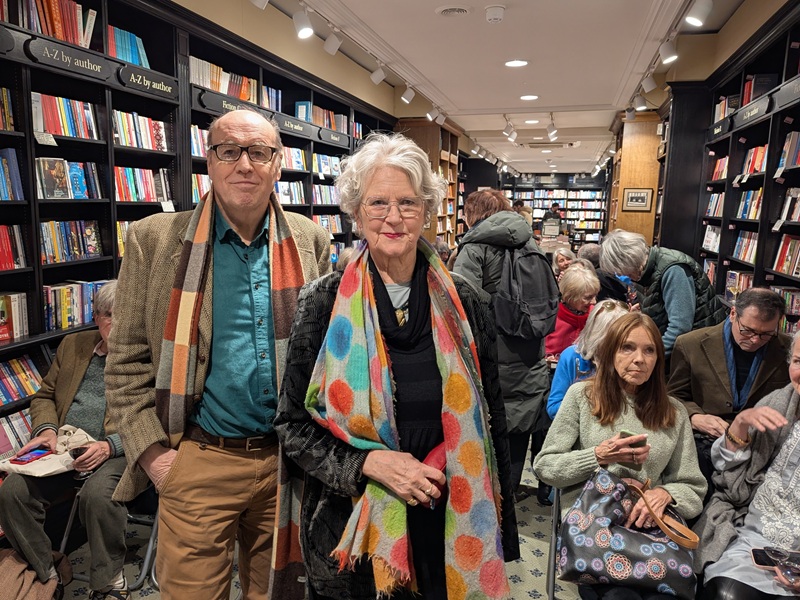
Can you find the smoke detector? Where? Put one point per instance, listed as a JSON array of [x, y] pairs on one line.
[[452, 11], [494, 13]]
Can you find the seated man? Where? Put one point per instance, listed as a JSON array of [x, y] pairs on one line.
[[718, 371], [73, 393]]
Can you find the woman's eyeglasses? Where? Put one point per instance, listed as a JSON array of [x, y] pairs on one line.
[[378, 208]]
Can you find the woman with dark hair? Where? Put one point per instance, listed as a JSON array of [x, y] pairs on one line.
[[628, 393], [524, 375]]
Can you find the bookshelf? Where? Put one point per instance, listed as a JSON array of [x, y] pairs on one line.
[[135, 132]]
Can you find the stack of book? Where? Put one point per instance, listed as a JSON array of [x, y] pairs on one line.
[[745, 249], [726, 106], [791, 205], [711, 238], [755, 160], [213, 77], [65, 241], [306, 111], [750, 204], [757, 85], [720, 169], [294, 158], [62, 19], [6, 110], [325, 165], [136, 131], [19, 378], [12, 248], [271, 98], [126, 46], [290, 192], [710, 268], [790, 155], [69, 304], [199, 141], [59, 179], [62, 116], [715, 204], [325, 194], [786, 257], [141, 185], [13, 316], [358, 131], [10, 181]]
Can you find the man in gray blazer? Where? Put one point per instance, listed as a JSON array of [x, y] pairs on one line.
[[718, 371], [204, 306]]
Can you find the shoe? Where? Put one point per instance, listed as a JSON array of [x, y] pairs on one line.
[[543, 494], [112, 594]]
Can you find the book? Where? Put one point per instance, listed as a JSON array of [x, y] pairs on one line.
[[77, 179], [52, 173]]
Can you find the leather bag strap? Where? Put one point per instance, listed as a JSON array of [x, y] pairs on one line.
[[677, 532]]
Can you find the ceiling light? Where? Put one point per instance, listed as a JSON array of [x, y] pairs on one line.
[[551, 129], [552, 137], [509, 128], [302, 25], [440, 119], [531, 121], [612, 151], [649, 84], [546, 151], [513, 136], [482, 153], [529, 97], [505, 168], [667, 52], [331, 45], [630, 114], [475, 149], [432, 113], [699, 12], [262, 4], [377, 75], [538, 137], [516, 63], [408, 95], [639, 103]]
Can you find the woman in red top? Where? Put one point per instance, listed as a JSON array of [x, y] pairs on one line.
[[579, 287]]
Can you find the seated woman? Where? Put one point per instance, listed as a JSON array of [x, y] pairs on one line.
[[579, 287], [562, 258], [577, 361], [627, 393], [73, 393], [388, 361], [757, 501]]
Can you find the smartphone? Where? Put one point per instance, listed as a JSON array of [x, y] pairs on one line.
[[762, 560], [31, 456], [635, 466]]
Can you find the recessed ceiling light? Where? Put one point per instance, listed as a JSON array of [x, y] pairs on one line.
[[546, 151], [538, 137], [516, 63], [532, 121], [529, 97], [553, 166]]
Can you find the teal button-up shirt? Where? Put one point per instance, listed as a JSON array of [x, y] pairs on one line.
[[239, 399]]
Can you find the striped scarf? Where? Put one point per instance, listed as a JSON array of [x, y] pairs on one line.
[[176, 376], [351, 394]]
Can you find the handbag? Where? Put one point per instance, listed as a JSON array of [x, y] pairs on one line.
[[595, 547]]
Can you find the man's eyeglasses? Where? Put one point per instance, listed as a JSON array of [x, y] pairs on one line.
[[378, 208], [257, 153], [749, 333]]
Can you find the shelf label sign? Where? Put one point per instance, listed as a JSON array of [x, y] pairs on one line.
[[334, 137], [295, 126], [751, 112], [68, 58], [220, 103], [788, 93], [719, 128], [6, 41], [145, 80]]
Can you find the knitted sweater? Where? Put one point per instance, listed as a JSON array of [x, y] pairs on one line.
[[567, 459], [568, 327]]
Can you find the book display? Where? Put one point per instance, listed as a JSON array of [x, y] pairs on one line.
[[104, 118]]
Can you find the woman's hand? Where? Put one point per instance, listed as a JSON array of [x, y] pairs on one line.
[[96, 455], [711, 425], [760, 418], [795, 587], [620, 449], [659, 499], [407, 477], [46, 439]]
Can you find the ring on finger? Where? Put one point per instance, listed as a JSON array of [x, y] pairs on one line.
[[413, 502], [430, 490]]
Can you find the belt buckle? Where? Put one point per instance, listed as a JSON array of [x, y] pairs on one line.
[[252, 439]]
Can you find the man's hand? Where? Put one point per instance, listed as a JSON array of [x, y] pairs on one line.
[[156, 462], [96, 455], [46, 439], [709, 424], [407, 477], [659, 499]]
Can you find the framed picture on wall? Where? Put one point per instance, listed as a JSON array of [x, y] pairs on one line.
[[637, 199]]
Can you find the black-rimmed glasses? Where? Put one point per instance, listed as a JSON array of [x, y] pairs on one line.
[[749, 333], [258, 153]]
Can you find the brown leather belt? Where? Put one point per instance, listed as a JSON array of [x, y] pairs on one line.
[[197, 434]]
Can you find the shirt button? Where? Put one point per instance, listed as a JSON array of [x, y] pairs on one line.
[[258, 285], [245, 256], [263, 355], [266, 391], [202, 359], [260, 322]]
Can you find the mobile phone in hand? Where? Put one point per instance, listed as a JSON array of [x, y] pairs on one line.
[[631, 465], [31, 456], [763, 560]]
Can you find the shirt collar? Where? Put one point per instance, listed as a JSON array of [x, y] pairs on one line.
[[223, 231], [97, 349]]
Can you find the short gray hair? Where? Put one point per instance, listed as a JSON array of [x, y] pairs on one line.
[[561, 252], [603, 314], [590, 252], [576, 281], [623, 253], [103, 303], [389, 150]]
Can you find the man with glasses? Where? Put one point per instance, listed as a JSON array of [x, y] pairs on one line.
[[206, 302], [718, 371]]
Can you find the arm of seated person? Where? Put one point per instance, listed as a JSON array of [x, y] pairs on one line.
[[94, 457], [45, 439]]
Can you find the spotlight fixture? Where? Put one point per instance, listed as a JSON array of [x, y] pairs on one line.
[[552, 132], [612, 151], [630, 114], [667, 52], [475, 149], [377, 75], [512, 136], [262, 4], [639, 103], [505, 168], [332, 43], [408, 95], [648, 84], [698, 14], [441, 118], [509, 128], [302, 24], [432, 113], [482, 153]]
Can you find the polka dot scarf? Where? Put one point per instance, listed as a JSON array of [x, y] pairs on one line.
[[351, 394]]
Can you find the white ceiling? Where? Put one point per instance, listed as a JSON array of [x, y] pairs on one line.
[[585, 61]]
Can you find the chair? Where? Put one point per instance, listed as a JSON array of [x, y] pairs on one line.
[[139, 513], [553, 554]]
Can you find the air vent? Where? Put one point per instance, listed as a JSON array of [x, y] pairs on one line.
[[452, 11]]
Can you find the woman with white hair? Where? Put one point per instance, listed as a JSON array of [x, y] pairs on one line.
[[579, 287], [562, 259], [677, 293]]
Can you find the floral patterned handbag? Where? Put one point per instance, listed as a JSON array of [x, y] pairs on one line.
[[596, 547]]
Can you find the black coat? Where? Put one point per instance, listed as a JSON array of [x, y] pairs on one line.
[[333, 468]]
